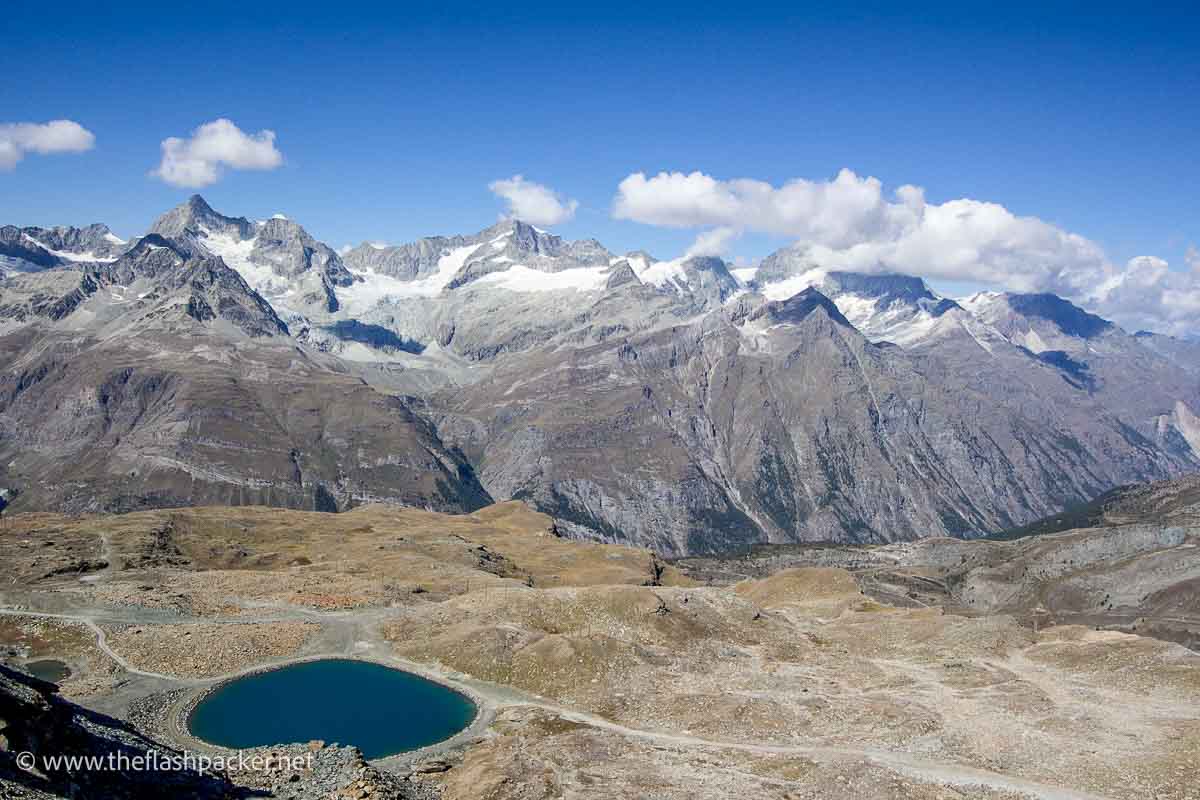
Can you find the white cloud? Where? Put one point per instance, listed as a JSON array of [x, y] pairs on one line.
[[713, 242], [836, 213], [200, 160], [57, 136], [1192, 256], [848, 223], [1147, 294], [532, 202]]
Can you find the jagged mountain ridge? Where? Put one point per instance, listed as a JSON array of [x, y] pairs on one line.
[[32, 248], [276, 256], [510, 241], [787, 425], [1037, 353], [668, 403], [164, 379]]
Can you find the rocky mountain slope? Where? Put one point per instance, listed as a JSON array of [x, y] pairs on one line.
[[666, 403], [276, 256], [162, 379], [1129, 561], [782, 424], [33, 249]]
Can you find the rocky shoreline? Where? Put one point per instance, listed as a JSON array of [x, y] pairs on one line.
[[156, 730], [172, 717]]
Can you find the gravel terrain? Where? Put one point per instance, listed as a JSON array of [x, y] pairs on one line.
[[599, 670]]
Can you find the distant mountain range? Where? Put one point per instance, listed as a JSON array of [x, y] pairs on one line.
[[680, 405]]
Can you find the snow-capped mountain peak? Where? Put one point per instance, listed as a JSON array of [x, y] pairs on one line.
[[33, 248], [276, 256], [901, 309], [1038, 322]]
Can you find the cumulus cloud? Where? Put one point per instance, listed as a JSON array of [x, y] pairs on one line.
[[835, 213], [57, 136], [850, 223], [713, 242], [213, 147], [533, 202], [1147, 294]]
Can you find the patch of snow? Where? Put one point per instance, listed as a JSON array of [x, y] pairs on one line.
[[638, 263], [661, 273], [375, 288], [520, 278], [1033, 342], [788, 287], [278, 216], [89, 256], [901, 323], [449, 265], [856, 308], [744, 274], [112, 238], [920, 327], [236, 254], [979, 302]]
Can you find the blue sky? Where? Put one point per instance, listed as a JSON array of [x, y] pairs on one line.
[[392, 121]]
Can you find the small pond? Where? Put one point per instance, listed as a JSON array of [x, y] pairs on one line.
[[380, 710], [48, 669]]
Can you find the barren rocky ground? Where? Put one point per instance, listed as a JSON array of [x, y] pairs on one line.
[[1129, 561], [602, 672]]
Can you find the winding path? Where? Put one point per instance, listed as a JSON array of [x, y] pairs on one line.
[[101, 640]]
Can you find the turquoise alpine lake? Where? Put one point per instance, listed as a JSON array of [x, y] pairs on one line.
[[379, 710]]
